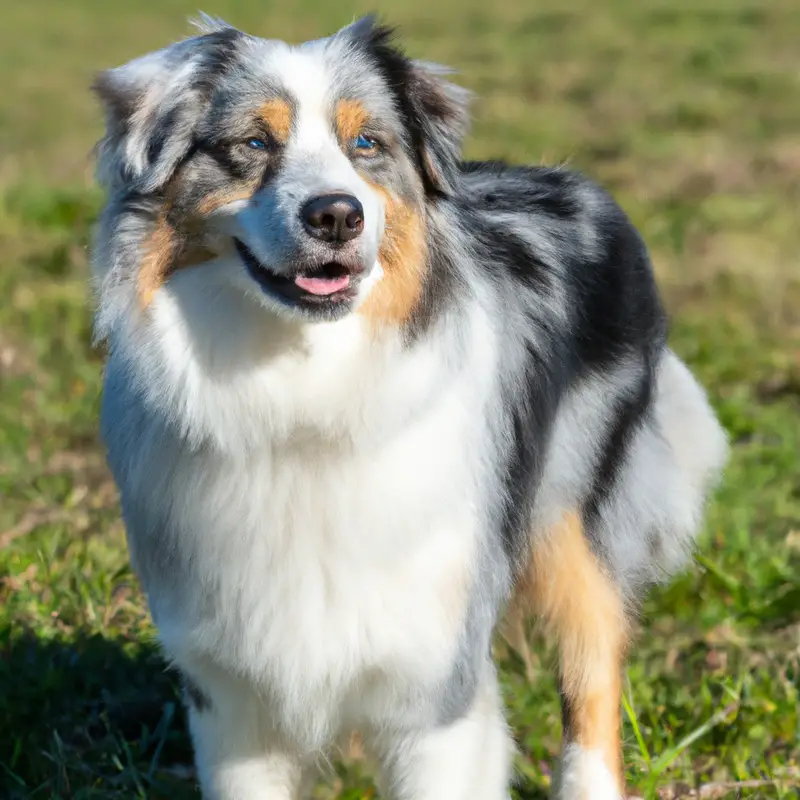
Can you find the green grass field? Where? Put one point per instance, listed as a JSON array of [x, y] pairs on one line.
[[690, 113]]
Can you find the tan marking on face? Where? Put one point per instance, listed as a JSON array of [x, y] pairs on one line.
[[178, 243], [351, 117], [277, 114], [222, 197], [160, 253], [582, 610], [403, 257], [166, 252]]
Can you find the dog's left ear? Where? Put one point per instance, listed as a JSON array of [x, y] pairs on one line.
[[435, 111]]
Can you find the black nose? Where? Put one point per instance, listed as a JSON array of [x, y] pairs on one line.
[[333, 217]]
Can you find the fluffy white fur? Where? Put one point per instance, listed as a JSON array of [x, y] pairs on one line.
[[585, 776]]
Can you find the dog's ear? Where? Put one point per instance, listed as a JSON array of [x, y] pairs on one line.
[[153, 106], [443, 112], [435, 111]]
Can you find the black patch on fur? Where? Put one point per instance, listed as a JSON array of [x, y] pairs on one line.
[[513, 189], [501, 250], [395, 68], [194, 695], [221, 154], [217, 58], [427, 114], [162, 133], [567, 712], [621, 311], [214, 54], [261, 167], [608, 291], [441, 287], [621, 318], [630, 413], [532, 404]]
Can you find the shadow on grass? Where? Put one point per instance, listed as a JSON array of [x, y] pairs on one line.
[[530, 793], [90, 717]]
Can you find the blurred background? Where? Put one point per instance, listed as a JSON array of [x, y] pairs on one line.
[[689, 111]]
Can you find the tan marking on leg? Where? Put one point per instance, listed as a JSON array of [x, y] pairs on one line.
[[583, 611], [350, 118], [403, 257], [277, 114]]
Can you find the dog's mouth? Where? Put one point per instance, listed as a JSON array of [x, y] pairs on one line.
[[326, 283]]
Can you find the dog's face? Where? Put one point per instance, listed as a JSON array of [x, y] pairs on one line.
[[312, 164]]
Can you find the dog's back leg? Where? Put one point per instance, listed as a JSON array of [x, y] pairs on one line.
[[583, 613]]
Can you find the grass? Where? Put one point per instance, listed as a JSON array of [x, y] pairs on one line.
[[689, 112]]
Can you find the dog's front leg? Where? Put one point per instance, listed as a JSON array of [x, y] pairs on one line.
[[469, 759], [237, 756]]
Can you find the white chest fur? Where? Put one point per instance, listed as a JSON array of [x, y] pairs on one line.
[[316, 572], [326, 563]]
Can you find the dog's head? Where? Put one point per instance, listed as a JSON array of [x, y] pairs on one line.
[[308, 168]]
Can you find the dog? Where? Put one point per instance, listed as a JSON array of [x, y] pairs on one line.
[[361, 398]]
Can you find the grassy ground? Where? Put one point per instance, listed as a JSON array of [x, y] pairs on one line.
[[690, 112]]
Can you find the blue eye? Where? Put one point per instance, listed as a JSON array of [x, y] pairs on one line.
[[365, 143], [256, 144]]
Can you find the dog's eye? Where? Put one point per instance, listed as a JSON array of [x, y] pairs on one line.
[[256, 144], [364, 144]]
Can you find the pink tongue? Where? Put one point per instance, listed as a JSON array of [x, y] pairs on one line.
[[323, 285]]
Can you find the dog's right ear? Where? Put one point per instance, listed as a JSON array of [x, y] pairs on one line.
[[153, 107]]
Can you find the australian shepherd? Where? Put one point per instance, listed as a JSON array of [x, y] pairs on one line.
[[361, 396]]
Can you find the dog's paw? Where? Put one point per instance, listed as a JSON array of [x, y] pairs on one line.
[[584, 775]]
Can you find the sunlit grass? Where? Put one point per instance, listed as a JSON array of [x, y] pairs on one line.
[[689, 112]]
